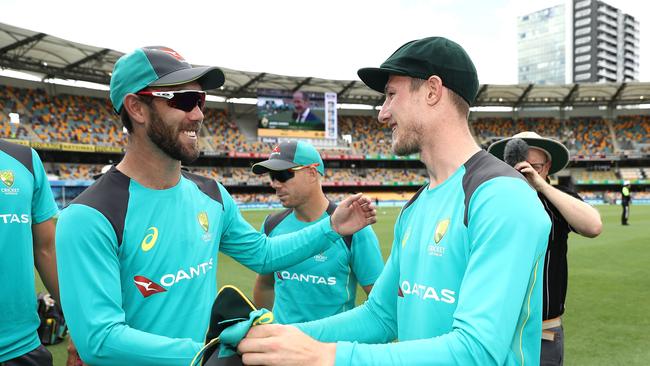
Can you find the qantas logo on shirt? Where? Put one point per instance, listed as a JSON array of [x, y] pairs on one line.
[[146, 286], [13, 218], [424, 292], [318, 280]]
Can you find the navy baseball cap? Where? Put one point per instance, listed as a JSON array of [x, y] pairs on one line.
[[157, 66], [290, 154]]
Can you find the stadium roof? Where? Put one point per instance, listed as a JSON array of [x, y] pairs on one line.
[[50, 57]]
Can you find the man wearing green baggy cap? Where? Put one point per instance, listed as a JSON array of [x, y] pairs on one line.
[[462, 285], [326, 283], [138, 249]]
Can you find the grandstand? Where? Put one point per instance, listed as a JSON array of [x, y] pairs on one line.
[[605, 126]]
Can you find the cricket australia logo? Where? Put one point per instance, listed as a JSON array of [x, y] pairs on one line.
[[204, 222], [320, 257], [7, 178], [435, 248]]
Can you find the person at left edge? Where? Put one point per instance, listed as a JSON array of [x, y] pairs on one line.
[[138, 248], [27, 211]]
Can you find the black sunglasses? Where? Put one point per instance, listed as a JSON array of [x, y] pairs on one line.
[[185, 100], [284, 175]]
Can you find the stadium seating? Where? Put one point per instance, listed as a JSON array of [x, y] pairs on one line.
[[632, 131], [590, 136], [582, 135], [87, 120], [63, 118], [369, 136]]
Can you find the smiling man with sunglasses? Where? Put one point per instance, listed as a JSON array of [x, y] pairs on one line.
[[326, 283], [137, 251]]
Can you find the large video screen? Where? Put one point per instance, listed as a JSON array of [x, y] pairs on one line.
[[299, 114]]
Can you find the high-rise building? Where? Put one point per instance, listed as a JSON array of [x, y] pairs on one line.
[[542, 46], [582, 41], [606, 43]]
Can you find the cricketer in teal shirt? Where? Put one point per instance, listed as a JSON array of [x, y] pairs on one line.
[[463, 283], [137, 250], [438, 295], [142, 290], [325, 284], [25, 200]]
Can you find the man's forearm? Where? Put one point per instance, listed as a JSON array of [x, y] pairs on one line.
[[580, 215]]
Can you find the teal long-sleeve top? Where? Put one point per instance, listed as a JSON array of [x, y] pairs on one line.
[[463, 283], [137, 267]]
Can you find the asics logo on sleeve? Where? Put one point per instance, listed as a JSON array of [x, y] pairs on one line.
[[424, 292], [150, 239], [146, 286]]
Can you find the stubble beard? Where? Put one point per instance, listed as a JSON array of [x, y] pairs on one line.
[[166, 138]]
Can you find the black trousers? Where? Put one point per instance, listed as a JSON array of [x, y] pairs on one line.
[[38, 357], [625, 214]]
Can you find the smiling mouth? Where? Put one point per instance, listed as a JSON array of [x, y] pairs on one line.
[[190, 134]]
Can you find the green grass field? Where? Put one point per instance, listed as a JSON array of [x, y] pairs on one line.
[[606, 320]]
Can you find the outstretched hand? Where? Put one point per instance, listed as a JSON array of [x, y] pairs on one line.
[[353, 214], [276, 344]]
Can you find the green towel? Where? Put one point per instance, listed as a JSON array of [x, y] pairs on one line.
[[231, 336]]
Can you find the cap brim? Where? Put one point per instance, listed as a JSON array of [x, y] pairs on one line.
[[559, 153], [376, 78], [272, 164], [208, 77]]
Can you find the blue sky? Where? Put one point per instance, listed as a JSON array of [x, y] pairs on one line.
[[329, 38]]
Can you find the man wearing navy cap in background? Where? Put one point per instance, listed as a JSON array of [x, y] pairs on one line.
[[138, 248], [462, 285], [325, 284]]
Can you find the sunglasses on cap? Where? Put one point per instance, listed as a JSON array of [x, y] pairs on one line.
[[284, 175], [185, 100]]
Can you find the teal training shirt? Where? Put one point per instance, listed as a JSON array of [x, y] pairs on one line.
[[463, 283], [25, 199], [325, 284], [137, 266]]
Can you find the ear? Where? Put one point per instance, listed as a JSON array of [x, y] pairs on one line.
[[313, 174], [136, 109], [433, 89]]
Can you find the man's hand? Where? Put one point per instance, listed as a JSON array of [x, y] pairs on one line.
[[353, 214], [276, 344], [531, 175], [73, 356]]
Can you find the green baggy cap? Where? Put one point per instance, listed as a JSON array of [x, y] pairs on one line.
[[423, 58]]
